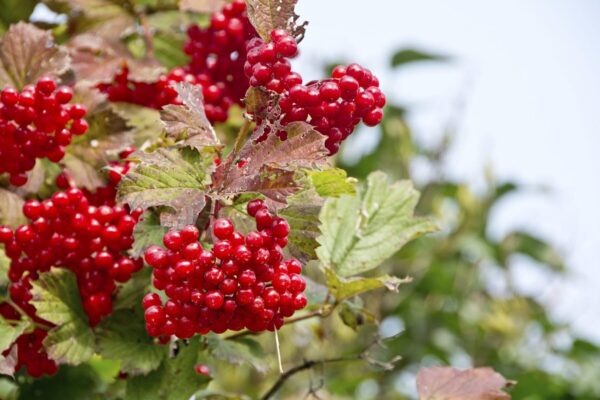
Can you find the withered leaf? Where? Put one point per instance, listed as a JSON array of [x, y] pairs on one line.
[[447, 383], [269, 167], [28, 53], [267, 15], [98, 59], [187, 122]]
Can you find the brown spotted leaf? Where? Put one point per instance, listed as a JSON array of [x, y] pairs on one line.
[[187, 123], [201, 6], [98, 59], [27, 53], [269, 167], [446, 383], [171, 178], [267, 15]]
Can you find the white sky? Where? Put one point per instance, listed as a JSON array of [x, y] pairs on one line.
[[528, 73]]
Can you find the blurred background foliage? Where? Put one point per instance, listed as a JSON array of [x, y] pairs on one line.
[[461, 308]]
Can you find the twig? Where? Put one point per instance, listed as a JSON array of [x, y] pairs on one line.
[[321, 312], [308, 364], [279, 363]]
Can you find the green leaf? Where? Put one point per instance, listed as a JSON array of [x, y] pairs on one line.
[[70, 383], [56, 299], [344, 288], [9, 390], [406, 56], [10, 332], [354, 316], [28, 53], [131, 293], [174, 380], [168, 49], [332, 182], [169, 177], [147, 232], [242, 351], [11, 206], [143, 122], [123, 336], [82, 172], [302, 213], [12, 11], [360, 232]]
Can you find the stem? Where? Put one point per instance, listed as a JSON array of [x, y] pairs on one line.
[[304, 366], [321, 312], [26, 316]]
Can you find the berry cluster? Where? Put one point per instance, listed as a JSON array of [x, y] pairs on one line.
[[30, 350], [333, 106], [35, 123], [103, 195], [243, 282], [217, 55], [67, 231]]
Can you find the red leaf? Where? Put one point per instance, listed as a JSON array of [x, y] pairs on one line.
[[446, 383]]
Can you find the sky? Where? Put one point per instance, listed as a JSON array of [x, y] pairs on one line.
[[522, 90]]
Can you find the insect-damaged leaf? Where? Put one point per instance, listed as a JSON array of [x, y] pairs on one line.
[[269, 167], [446, 383], [187, 122], [267, 15], [28, 53], [175, 178]]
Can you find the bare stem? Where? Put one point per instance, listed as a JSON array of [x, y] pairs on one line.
[[308, 364]]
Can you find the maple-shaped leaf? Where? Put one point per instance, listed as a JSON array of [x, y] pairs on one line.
[[269, 167], [267, 15], [172, 178], [28, 53], [98, 59], [201, 6], [187, 123], [446, 383]]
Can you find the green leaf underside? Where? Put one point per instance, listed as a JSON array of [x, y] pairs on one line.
[[175, 178], [175, 379], [360, 232], [56, 299]]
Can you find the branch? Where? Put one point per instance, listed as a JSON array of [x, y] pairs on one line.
[[308, 364]]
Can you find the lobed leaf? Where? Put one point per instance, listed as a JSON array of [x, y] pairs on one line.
[[360, 232], [269, 167], [446, 383], [56, 300], [175, 178], [28, 53]]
